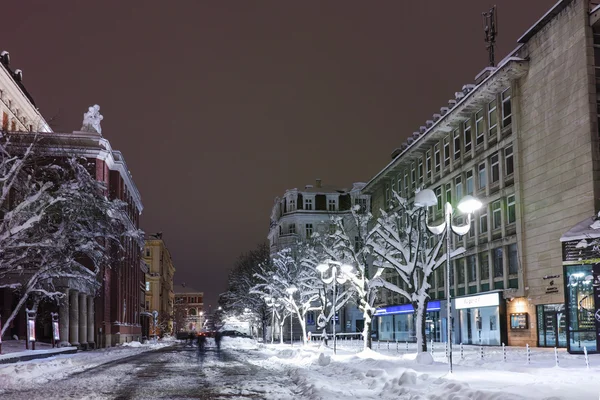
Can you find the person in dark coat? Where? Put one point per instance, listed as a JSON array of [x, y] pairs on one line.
[[218, 337]]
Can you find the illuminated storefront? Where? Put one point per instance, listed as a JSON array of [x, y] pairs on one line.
[[397, 323], [481, 319], [581, 266]]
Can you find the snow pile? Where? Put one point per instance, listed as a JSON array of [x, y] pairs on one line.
[[238, 343], [133, 344]]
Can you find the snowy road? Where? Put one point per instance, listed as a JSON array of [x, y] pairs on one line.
[[176, 372]]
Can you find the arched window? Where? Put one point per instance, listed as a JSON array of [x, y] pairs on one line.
[[192, 312]]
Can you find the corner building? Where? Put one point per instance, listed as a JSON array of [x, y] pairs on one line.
[[523, 139]]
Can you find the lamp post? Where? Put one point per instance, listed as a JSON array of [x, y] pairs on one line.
[[291, 290], [271, 303], [335, 279], [467, 205]]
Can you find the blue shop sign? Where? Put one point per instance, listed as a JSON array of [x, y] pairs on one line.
[[406, 308]]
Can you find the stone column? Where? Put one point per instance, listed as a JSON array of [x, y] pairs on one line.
[[83, 320], [63, 319], [90, 322], [74, 318]]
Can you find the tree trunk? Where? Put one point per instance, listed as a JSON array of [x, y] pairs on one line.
[[303, 326], [420, 312], [15, 311], [367, 330], [281, 330]]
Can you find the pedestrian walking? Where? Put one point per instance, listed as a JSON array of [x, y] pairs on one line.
[[218, 337]]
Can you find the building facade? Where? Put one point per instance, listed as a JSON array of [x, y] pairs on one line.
[[188, 309], [523, 139], [159, 293], [108, 311], [298, 215]]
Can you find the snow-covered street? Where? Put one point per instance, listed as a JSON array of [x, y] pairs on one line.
[[245, 369]]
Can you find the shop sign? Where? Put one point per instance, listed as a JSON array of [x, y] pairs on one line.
[[484, 300]]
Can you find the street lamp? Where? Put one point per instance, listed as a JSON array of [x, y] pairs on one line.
[[291, 290], [335, 279], [467, 205]]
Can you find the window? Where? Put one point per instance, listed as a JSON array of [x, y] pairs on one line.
[[510, 209], [498, 269], [400, 188], [147, 286], [508, 160], [309, 230], [437, 158], [471, 268], [308, 204], [449, 193], [479, 128], [458, 186], [292, 204], [482, 176], [148, 253], [492, 118], [362, 204], [413, 176], [428, 163], [469, 181], [310, 318], [438, 196], [506, 109], [331, 204], [420, 170], [472, 228], [446, 151], [497, 214], [483, 223], [495, 168], [467, 130], [513, 259], [292, 228], [460, 271], [457, 144], [484, 265]]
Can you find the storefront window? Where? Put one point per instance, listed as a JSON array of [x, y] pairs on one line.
[[551, 320], [397, 323], [479, 319], [581, 308]]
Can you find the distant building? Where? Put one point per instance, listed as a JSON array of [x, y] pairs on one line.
[[524, 139], [188, 309], [160, 296], [299, 214]]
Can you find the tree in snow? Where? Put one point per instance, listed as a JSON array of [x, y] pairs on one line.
[[57, 223], [293, 284], [242, 278], [400, 243], [349, 244]]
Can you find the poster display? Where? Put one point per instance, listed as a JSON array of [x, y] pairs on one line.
[[31, 329], [596, 284], [55, 331]]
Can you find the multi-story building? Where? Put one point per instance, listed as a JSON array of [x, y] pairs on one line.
[[299, 214], [160, 296], [91, 315], [188, 309], [524, 139]]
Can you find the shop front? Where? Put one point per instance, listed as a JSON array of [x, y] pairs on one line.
[[581, 267], [481, 319], [552, 325], [397, 323]]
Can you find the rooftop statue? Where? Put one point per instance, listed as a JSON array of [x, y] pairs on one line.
[[92, 119]]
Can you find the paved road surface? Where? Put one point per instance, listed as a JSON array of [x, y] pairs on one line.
[[177, 372]]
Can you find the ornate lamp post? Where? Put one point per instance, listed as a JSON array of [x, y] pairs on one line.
[[344, 269], [291, 290], [467, 205]]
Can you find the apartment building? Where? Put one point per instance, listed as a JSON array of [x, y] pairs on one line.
[[523, 139], [188, 309], [159, 293]]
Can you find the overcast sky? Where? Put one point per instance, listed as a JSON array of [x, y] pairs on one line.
[[219, 107]]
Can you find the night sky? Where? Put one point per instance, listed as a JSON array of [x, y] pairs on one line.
[[219, 107]]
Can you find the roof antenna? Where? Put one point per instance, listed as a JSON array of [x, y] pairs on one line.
[[489, 27]]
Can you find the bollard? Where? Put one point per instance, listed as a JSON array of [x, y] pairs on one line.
[[587, 361], [481, 350], [528, 353], [377, 344], [407, 346], [503, 352], [397, 347], [462, 353], [556, 356], [388, 344], [432, 347]]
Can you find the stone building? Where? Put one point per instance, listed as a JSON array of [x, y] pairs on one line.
[[188, 309], [524, 139], [298, 215], [160, 296], [91, 315]]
